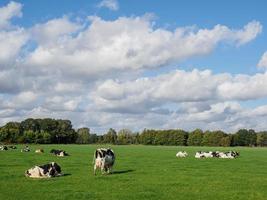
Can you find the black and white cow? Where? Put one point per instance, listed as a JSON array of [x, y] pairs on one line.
[[216, 154], [12, 147], [104, 159], [44, 171], [60, 153], [26, 149], [3, 148], [206, 154], [229, 154]]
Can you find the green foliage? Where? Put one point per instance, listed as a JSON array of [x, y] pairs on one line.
[[195, 138], [262, 139], [38, 131], [215, 138], [83, 136], [47, 131], [245, 138], [110, 137]]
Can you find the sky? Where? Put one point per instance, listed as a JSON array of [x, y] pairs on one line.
[[135, 64]]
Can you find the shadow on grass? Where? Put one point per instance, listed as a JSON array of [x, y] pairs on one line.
[[66, 174], [123, 171]]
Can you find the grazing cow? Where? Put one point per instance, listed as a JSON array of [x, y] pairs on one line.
[[39, 151], [104, 159], [25, 149], [60, 153], [44, 171], [3, 148], [181, 154], [12, 147]]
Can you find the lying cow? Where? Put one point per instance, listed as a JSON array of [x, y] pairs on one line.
[[181, 154], [12, 147], [104, 160], [216, 154], [60, 153], [3, 148], [39, 151], [229, 154], [26, 149], [44, 171], [203, 154]]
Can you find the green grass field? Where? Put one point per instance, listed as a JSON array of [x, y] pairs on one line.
[[140, 172]]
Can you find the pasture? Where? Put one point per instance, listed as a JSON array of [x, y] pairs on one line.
[[140, 172]]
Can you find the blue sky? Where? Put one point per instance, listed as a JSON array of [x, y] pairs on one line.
[[67, 62]]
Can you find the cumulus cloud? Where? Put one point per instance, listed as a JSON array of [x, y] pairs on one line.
[[263, 61], [89, 71], [179, 86], [110, 4], [127, 43]]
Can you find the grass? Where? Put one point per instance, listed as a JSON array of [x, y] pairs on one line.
[[140, 172]]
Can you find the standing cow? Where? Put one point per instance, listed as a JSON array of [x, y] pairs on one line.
[[104, 160]]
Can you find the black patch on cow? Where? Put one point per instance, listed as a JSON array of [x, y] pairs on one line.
[[57, 168], [46, 167]]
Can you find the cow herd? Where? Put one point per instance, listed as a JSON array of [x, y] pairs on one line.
[[103, 159], [210, 154]]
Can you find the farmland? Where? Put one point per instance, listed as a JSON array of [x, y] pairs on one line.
[[140, 172]]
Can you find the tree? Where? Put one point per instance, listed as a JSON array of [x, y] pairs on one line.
[[195, 138], [213, 138], [125, 136], [245, 137], [110, 137], [83, 136], [262, 139]]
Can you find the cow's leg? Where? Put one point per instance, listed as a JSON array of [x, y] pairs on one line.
[[95, 169]]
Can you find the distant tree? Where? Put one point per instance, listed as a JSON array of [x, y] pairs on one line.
[[245, 137], [195, 138], [125, 136], [262, 138], [83, 136], [110, 137], [213, 138]]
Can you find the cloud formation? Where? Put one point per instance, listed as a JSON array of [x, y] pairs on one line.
[[90, 71]]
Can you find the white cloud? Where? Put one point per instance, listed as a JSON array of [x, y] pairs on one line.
[[110, 4], [89, 72], [263, 61], [126, 44], [9, 11]]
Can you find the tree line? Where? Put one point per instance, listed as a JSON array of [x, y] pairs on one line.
[[58, 131]]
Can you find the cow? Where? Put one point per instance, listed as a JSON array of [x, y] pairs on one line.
[[39, 151], [25, 149], [203, 154], [104, 159], [229, 154], [3, 148], [12, 147], [181, 154], [60, 153], [44, 171], [216, 154]]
